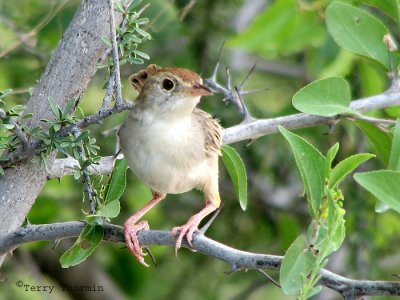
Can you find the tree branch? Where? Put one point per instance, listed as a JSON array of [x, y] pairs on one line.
[[66, 167], [67, 75], [237, 259], [258, 128]]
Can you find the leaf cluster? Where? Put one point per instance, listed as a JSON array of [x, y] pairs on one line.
[[130, 35]]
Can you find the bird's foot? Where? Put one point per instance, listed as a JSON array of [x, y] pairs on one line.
[[185, 230], [132, 241]]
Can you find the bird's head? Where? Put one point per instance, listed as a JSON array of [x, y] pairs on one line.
[[169, 90]]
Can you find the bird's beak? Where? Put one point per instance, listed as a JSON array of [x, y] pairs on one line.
[[199, 89]]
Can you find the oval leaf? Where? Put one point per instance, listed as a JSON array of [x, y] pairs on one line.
[[345, 167], [5, 93], [326, 97], [357, 31], [383, 184], [311, 164], [237, 172], [330, 156], [296, 265], [115, 189], [87, 242]]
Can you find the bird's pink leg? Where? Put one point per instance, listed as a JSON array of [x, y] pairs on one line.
[[192, 225], [131, 228]]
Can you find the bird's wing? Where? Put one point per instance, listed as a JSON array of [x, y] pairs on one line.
[[212, 131]]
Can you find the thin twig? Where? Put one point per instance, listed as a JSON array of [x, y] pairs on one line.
[[109, 93], [187, 9], [17, 129], [20, 134], [114, 52], [86, 178], [3, 114], [67, 166], [99, 117], [262, 127]]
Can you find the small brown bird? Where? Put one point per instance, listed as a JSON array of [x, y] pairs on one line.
[[171, 145]]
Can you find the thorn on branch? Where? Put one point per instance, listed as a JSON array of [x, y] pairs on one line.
[[269, 277], [232, 95], [247, 77], [215, 71], [233, 269], [153, 259], [246, 116], [209, 222]]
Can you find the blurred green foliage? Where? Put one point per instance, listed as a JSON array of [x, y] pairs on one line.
[[291, 42]]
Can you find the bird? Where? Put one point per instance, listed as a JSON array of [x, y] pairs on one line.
[[171, 145]]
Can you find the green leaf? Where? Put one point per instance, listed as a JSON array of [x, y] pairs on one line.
[[70, 106], [311, 164], [345, 167], [397, 9], [330, 156], [136, 61], [237, 172], [296, 265], [109, 210], [325, 97], [283, 21], [384, 185], [83, 136], [130, 37], [118, 7], [336, 228], [5, 93], [357, 31], [54, 108], [114, 191], [88, 240], [101, 66], [389, 7], [27, 116], [379, 139], [133, 5], [106, 41], [142, 21], [394, 160], [143, 33], [141, 54]]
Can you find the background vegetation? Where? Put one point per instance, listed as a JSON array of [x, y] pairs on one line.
[[289, 40]]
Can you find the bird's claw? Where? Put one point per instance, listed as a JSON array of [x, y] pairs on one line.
[[132, 241], [187, 231]]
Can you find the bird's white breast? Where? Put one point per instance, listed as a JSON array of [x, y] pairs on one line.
[[167, 156]]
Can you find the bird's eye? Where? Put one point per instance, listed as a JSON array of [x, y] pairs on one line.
[[168, 85]]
